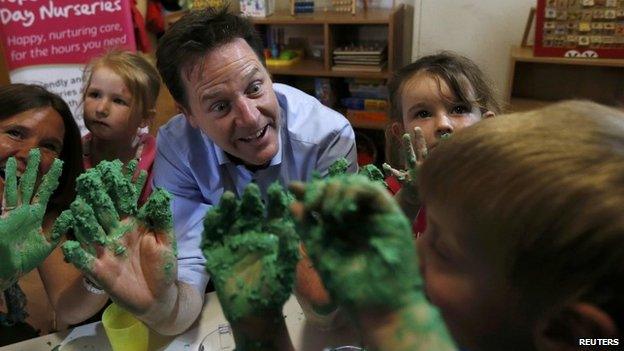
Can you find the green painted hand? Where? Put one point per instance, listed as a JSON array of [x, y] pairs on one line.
[[130, 253], [251, 252], [362, 245], [413, 160], [23, 245], [356, 234]]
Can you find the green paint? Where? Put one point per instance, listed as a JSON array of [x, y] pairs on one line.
[[251, 253], [373, 173], [362, 246], [339, 167], [23, 245], [105, 211]]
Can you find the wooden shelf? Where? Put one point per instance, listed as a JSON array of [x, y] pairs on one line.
[[315, 68], [523, 54], [371, 16]]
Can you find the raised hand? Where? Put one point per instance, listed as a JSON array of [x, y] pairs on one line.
[[361, 244], [251, 252], [413, 160], [130, 253], [23, 245]]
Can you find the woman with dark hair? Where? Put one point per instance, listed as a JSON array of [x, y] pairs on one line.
[[33, 118]]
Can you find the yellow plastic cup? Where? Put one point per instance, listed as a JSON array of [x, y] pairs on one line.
[[124, 332]]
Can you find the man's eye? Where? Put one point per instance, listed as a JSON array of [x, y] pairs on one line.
[[52, 147], [219, 107], [14, 133], [254, 89], [422, 114]]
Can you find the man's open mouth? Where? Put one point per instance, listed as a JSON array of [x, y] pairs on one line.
[[258, 135]]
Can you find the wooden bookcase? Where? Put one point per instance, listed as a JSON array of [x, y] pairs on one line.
[[536, 81], [335, 29]]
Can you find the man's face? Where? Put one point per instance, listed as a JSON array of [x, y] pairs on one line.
[[231, 99]]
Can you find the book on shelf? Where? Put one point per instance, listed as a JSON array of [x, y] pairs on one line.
[[355, 103], [367, 116], [358, 67]]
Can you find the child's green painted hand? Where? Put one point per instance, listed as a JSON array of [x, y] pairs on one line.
[[251, 252], [413, 160], [23, 245], [359, 241], [362, 245], [129, 252]]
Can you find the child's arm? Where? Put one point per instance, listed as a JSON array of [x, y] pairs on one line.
[[408, 197], [362, 246]]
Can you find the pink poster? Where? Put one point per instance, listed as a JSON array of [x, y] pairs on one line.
[[42, 32]]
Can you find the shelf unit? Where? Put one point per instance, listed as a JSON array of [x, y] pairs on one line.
[[538, 81], [336, 29]]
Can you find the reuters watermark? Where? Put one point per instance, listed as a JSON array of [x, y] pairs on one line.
[[599, 342]]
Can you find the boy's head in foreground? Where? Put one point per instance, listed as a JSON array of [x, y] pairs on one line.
[[523, 248]]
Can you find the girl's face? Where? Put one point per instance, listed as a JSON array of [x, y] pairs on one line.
[[428, 102], [41, 128], [108, 107]]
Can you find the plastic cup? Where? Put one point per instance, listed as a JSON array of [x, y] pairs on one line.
[[124, 332]]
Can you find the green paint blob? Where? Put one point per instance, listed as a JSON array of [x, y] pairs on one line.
[[251, 253], [339, 167], [373, 173]]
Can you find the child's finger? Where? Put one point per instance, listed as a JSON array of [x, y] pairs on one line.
[[408, 151], [156, 214], [63, 224], [88, 231], [29, 178], [219, 219], [10, 185], [251, 209], [91, 188], [80, 258], [277, 202], [49, 183], [421, 145], [140, 183], [131, 169], [119, 187]]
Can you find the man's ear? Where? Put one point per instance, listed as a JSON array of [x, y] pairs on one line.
[[488, 114], [565, 330], [187, 114]]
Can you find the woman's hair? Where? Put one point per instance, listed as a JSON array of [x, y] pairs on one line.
[[542, 191], [454, 70], [18, 98], [138, 74]]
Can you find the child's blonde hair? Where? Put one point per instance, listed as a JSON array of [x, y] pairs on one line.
[[138, 74], [543, 192]]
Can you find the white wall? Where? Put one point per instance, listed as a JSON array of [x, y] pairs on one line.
[[482, 30]]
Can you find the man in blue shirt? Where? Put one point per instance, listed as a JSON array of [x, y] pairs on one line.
[[236, 127]]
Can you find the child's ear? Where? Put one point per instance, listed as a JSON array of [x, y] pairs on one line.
[[488, 114], [396, 130], [566, 329]]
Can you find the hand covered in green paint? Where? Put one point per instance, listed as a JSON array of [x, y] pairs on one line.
[[413, 160], [362, 245], [128, 252], [23, 245], [251, 252]]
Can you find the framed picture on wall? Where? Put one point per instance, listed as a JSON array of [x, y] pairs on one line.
[[580, 28]]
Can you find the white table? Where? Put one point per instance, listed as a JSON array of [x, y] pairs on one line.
[[91, 337]]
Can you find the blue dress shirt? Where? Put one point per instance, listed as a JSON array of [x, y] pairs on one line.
[[197, 172]]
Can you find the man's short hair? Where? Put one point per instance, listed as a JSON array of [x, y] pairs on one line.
[[195, 35]]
